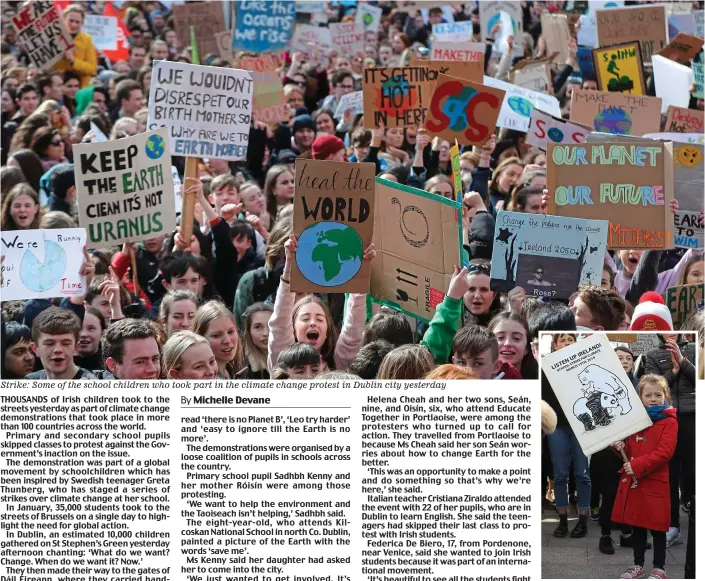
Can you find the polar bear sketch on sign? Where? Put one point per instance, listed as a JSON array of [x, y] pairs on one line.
[[603, 394]]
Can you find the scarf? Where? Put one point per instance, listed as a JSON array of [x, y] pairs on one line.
[[656, 412]]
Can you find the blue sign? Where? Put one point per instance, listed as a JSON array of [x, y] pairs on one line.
[[586, 64], [263, 26]]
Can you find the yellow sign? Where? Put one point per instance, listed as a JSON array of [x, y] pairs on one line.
[[619, 69], [457, 179]]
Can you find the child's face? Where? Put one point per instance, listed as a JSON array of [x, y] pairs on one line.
[[254, 201], [512, 341], [479, 297], [311, 326], [259, 329], [652, 394], [19, 358], [304, 372], [197, 362], [630, 260], [190, 281], [102, 303], [563, 341], [223, 196], [56, 352], [583, 315], [89, 339], [695, 273], [180, 316], [242, 243], [223, 338], [605, 282], [626, 360], [481, 363]]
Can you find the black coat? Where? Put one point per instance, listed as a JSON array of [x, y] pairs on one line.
[[682, 385]]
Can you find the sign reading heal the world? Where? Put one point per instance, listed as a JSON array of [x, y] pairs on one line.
[[547, 256], [263, 26], [42, 33], [124, 188], [545, 129], [334, 214], [396, 96], [518, 104], [207, 109], [616, 113], [630, 184], [42, 264]]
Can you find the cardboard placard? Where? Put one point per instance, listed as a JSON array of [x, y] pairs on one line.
[[617, 113], [207, 19], [681, 137], [682, 301], [453, 31], [124, 188], [348, 38], [461, 52], [368, 16], [396, 96], [533, 76], [225, 44], [682, 48], [102, 30], [464, 111], [470, 71], [619, 69], [646, 24], [595, 393], [418, 244], [630, 184], [263, 26], [555, 29], [518, 104], [207, 109], [310, 40], [42, 264], [269, 103], [698, 75], [586, 64], [547, 256], [42, 33], [587, 32], [545, 129], [352, 101], [688, 187], [672, 81], [682, 120], [509, 15], [622, 337], [334, 215]]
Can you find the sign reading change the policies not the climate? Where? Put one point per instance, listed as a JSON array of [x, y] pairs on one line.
[[42, 33], [124, 188], [207, 109], [334, 213]]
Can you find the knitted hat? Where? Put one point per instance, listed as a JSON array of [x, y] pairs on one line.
[[651, 314], [62, 180], [303, 122], [325, 145]]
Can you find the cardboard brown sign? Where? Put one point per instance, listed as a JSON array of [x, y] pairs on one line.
[[334, 214], [471, 71], [681, 120], [682, 301], [619, 69], [268, 102], [208, 21], [225, 44], [623, 337], [683, 48], [418, 245], [647, 24], [533, 76], [617, 113], [630, 184], [397, 96], [556, 31]]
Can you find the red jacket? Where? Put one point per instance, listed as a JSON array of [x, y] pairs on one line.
[[649, 504]]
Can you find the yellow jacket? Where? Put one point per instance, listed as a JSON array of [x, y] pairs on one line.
[[85, 63]]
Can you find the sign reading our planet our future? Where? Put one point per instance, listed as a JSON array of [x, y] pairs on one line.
[[334, 213]]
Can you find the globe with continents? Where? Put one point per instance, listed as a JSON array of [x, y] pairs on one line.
[[154, 148], [329, 253], [40, 277]]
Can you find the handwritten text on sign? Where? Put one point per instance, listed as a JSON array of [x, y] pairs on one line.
[[397, 96], [42, 33]]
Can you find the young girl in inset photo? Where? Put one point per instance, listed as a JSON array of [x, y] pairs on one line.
[[647, 506]]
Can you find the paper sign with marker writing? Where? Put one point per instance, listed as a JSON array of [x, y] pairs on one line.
[[672, 82], [630, 184], [509, 16], [518, 103], [263, 26], [313, 41], [470, 70], [547, 256], [533, 76], [617, 113], [457, 51], [368, 16], [42, 33], [207, 109], [42, 264], [124, 189], [646, 24], [348, 38], [352, 101], [418, 244], [463, 110], [102, 30], [269, 103], [595, 393], [545, 129], [225, 44], [682, 120], [619, 69], [682, 301], [396, 96], [587, 32], [453, 31]]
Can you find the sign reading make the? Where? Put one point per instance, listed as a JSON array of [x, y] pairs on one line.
[[263, 26], [334, 214], [125, 189], [626, 183], [42, 33], [616, 113], [207, 109]]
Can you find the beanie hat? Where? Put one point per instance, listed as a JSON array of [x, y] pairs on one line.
[[62, 180], [651, 314], [325, 145], [303, 122]]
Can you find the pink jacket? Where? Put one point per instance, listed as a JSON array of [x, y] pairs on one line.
[[281, 327]]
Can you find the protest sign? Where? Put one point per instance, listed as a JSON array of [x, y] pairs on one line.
[[352, 101], [682, 120], [681, 137], [457, 176], [508, 14], [42, 33], [453, 31], [699, 23], [457, 52], [646, 24], [124, 189], [547, 256], [680, 23], [176, 180], [545, 128], [207, 109], [617, 113], [619, 69], [348, 38], [469, 70], [630, 184], [534, 76], [269, 103], [698, 75], [682, 48], [587, 32], [672, 81], [368, 16], [99, 135], [682, 301], [42, 264], [207, 19], [309, 6], [688, 187], [334, 214], [263, 26], [518, 104], [418, 244], [225, 44], [102, 30], [554, 28], [595, 393], [313, 41], [585, 63], [462, 110], [396, 96]]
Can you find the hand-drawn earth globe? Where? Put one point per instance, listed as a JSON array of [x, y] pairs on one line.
[[154, 148], [40, 277], [613, 120], [520, 106], [329, 253]]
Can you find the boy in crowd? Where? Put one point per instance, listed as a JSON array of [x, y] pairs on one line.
[[476, 348], [19, 358], [131, 351], [300, 361], [598, 309]]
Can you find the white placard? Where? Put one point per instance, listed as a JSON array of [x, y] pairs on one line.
[[510, 16], [178, 200], [545, 129], [207, 109], [42, 264], [368, 16], [453, 31], [348, 38], [307, 39], [102, 30], [518, 104], [681, 137], [672, 81], [587, 32], [351, 101]]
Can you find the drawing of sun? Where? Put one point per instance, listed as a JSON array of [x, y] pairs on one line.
[[688, 156]]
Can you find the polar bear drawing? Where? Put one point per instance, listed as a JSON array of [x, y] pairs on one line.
[[596, 409], [597, 379]]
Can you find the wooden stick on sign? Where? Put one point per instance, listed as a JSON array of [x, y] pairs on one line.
[[624, 457], [133, 260], [188, 200]]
